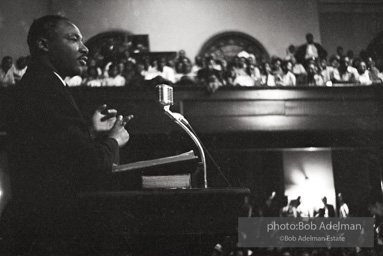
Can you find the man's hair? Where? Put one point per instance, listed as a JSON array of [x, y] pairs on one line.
[[43, 27]]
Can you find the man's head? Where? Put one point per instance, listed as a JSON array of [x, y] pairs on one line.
[[21, 62], [339, 50], [6, 63], [362, 67], [58, 43], [344, 61], [309, 38], [287, 66], [323, 63], [113, 70], [311, 69]]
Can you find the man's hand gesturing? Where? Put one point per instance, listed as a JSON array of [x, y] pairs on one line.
[[103, 119], [118, 131]]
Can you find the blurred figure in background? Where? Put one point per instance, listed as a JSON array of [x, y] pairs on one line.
[[313, 78], [327, 72], [206, 74], [287, 78], [345, 73], [374, 71], [20, 68], [290, 51], [114, 78], [92, 78], [267, 77], [6, 72], [165, 71], [344, 212], [276, 68], [310, 50], [339, 53], [298, 70], [327, 210], [364, 74], [198, 64]]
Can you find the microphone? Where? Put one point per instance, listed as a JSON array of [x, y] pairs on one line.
[[165, 99], [165, 95]]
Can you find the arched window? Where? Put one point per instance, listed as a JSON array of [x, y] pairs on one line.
[[228, 44]]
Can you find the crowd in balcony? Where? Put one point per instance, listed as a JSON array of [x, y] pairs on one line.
[[304, 65]]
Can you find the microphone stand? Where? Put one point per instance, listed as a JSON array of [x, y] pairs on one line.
[[178, 119]]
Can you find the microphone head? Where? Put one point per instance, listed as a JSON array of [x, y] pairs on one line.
[[165, 94]]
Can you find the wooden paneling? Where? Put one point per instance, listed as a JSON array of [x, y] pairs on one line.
[[246, 110]]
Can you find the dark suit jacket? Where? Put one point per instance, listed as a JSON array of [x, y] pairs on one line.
[[51, 153], [331, 211], [301, 52]]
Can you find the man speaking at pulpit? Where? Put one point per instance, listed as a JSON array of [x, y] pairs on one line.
[[52, 152]]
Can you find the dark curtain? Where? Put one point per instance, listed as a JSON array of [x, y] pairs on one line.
[[357, 176]]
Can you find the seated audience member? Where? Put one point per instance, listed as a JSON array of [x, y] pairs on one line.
[[267, 77], [298, 70], [345, 73], [218, 63], [114, 78], [313, 78], [147, 63], [20, 68], [290, 51], [184, 76], [92, 62], [129, 72], [206, 74], [310, 50], [244, 79], [254, 72], [198, 64], [214, 82], [276, 68], [165, 71], [339, 53], [247, 74], [121, 68], [364, 74], [334, 62], [92, 78], [350, 55], [355, 63], [287, 78], [326, 72], [241, 66], [374, 71], [229, 75], [252, 68], [181, 58], [138, 77], [6, 72], [179, 68], [152, 70], [125, 57]]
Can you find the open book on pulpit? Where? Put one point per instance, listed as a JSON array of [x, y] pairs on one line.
[[167, 172]]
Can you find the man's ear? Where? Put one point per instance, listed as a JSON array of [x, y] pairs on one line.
[[43, 44]]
